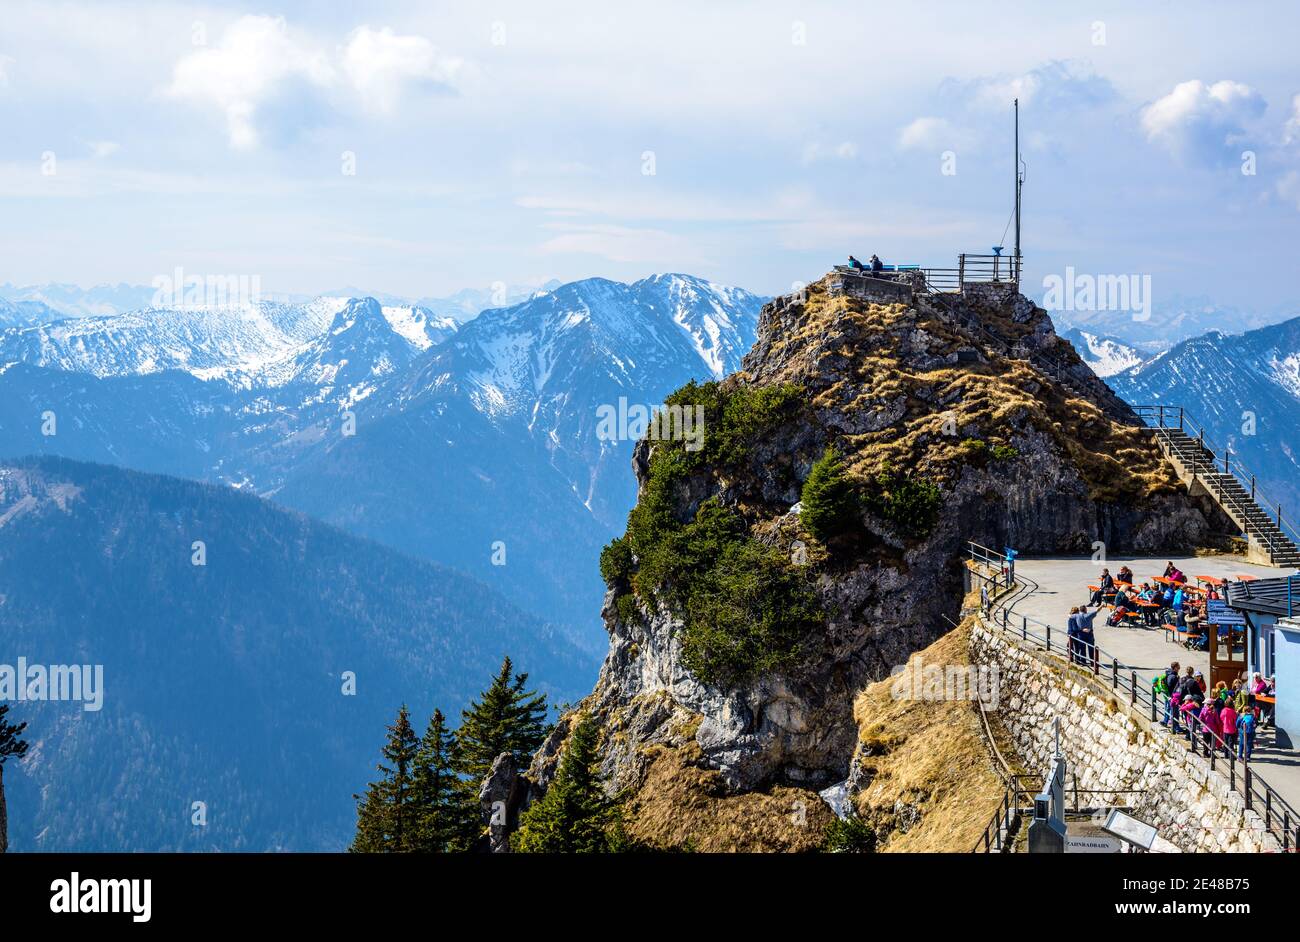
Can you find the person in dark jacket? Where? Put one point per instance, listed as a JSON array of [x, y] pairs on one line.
[[1171, 686], [1087, 640], [855, 264], [1105, 587], [1072, 632], [877, 266]]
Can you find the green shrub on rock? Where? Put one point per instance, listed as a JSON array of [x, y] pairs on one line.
[[829, 503]]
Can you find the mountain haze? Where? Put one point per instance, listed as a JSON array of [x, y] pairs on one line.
[[223, 683]]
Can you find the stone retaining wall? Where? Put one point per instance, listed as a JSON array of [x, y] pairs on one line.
[[1110, 746]]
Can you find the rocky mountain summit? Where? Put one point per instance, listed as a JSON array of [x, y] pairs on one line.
[[815, 542]]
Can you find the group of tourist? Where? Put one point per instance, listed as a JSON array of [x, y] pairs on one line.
[[1226, 717], [1171, 600]]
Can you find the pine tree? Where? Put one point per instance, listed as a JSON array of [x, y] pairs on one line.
[[574, 816], [11, 744], [447, 805], [828, 508], [508, 718], [388, 819]]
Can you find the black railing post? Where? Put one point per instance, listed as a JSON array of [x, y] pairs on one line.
[[1252, 487], [1024, 627], [1180, 418], [1049, 638], [1133, 679], [1161, 413], [1250, 786]]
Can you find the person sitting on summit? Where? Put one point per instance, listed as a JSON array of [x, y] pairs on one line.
[[877, 266], [856, 265]]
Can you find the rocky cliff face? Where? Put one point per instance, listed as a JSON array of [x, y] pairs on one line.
[[972, 400]]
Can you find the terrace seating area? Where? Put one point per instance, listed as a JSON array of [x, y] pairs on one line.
[[1055, 586]]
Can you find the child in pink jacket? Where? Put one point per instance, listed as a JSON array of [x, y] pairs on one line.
[[1228, 725], [1210, 725]]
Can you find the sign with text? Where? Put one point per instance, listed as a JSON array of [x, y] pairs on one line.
[[1218, 613], [1091, 845]]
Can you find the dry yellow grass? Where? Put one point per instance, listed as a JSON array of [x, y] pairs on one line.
[[683, 806], [863, 358], [932, 785]]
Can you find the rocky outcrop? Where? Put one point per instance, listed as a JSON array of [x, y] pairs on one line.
[[501, 795], [952, 392]]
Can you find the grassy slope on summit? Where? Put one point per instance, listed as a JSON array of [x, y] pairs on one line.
[[861, 346], [932, 784]]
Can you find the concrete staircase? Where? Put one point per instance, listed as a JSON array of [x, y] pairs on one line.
[[1200, 465]]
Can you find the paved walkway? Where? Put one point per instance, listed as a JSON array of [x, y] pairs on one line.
[[1063, 583]]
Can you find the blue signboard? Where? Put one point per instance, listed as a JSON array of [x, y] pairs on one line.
[[1218, 613]]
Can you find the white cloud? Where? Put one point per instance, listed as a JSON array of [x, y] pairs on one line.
[[1291, 132], [1202, 122], [5, 63], [254, 58], [258, 58], [932, 134], [815, 151], [381, 64], [1288, 188], [1056, 84], [617, 243], [103, 148]]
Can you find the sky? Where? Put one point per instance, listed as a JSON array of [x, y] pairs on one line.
[[418, 148]]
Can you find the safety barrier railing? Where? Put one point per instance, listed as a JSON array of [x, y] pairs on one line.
[[975, 269], [997, 836], [1208, 463], [1279, 817]]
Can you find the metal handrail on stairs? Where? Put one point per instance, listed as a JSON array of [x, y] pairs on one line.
[[1212, 469]]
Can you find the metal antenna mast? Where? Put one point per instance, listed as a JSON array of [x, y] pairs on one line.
[[1019, 181]]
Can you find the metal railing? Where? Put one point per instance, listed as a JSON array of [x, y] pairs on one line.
[[1210, 465], [997, 836], [1123, 678], [975, 269]]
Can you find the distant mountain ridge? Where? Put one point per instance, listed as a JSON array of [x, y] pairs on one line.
[[225, 683], [1245, 388], [1172, 320], [59, 300], [1106, 355], [391, 421]]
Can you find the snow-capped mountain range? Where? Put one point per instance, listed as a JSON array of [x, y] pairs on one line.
[[37, 304], [1245, 389], [391, 420], [1106, 355], [1170, 320]]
